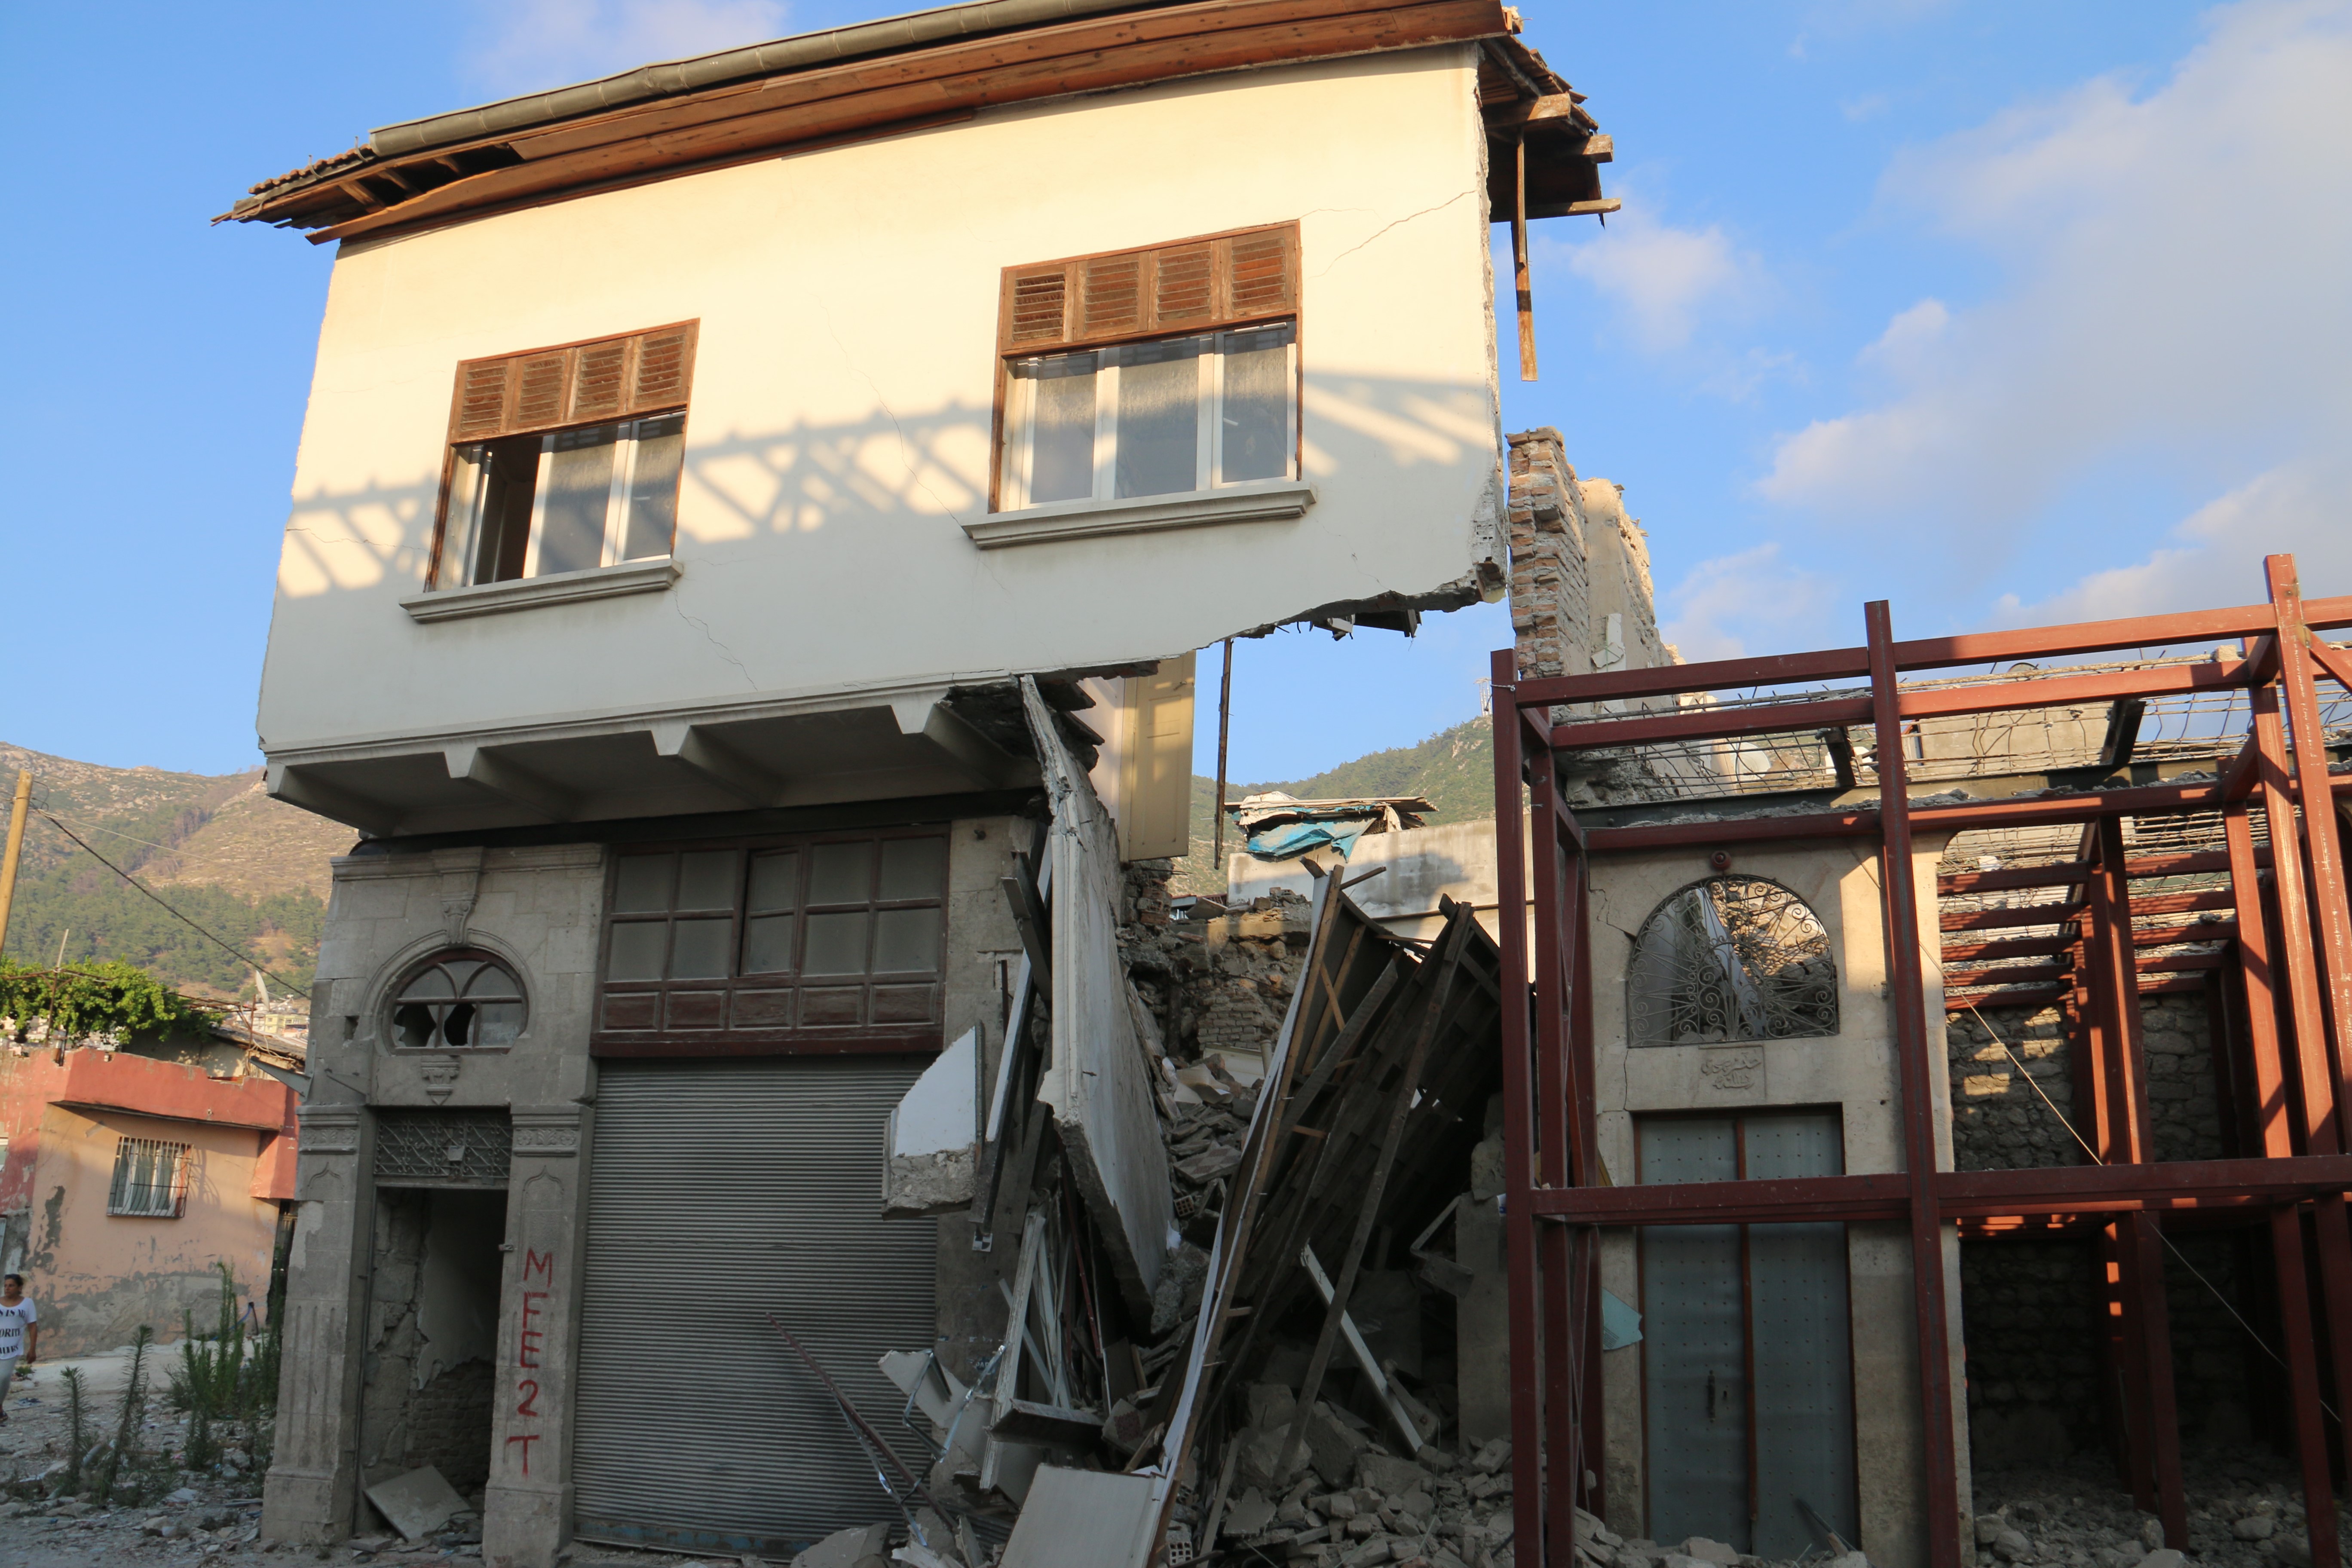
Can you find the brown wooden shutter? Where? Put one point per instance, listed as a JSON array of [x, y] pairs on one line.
[[1192, 285], [600, 380], [539, 399], [481, 408], [1114, 296], [665, 369], [575, 383], [1036, 306], [1184, 291], [1265, 280]]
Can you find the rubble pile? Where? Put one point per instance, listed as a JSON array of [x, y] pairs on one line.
[[1356, 1503], [2243, 1512]]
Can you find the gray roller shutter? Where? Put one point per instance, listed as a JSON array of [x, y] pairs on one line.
[[721, 1192]]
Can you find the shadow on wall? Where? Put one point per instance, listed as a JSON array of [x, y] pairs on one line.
[[885, 466]]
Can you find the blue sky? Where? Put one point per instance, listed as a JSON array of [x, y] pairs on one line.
[[2004, 311]]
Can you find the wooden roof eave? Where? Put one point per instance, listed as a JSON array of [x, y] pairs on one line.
[[742, 121]]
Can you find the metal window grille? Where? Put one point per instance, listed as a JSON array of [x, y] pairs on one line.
[[444, 1148], [151, 1179], [1732, 958]]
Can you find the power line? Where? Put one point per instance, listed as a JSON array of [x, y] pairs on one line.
[[168, 910]]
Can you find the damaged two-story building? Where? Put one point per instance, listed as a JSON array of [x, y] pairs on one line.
[[748, 508]]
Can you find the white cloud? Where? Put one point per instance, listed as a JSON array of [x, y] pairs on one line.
[[2174, 294], [1725, 602], [2215, 555], [1663, 277], [529, 46]]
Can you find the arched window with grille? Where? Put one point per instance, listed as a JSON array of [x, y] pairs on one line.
[[1729, 959], [459, 1000]]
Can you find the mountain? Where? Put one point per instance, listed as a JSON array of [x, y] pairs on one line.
[[1453, 770], [253, 871], [246, 868]]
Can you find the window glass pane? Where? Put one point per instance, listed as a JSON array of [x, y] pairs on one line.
[[1256, 411], [653, 487], [841, 873], [775, 880], [1158, 417], [913, 868], [699, 952], [907, 940], [1062, 428], [469, 468], [498, 1023], [502, 542], [412, 1026], [434, 981], [644, 886], [457, 1026], [490, 980], [637, 950], [768, 944], [579, 494], [836, 945], [706, 879]]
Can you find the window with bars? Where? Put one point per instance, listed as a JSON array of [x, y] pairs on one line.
[[151, 1179], [1161, 372], [824, 942], [565, 460]]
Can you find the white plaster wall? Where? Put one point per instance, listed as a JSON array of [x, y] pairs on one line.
[[839, 430]]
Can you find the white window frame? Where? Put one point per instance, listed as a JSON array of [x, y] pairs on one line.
[[1209, 460], [173, 1203], [467, 530]]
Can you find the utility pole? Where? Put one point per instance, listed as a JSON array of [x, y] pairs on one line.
[[17, 848]]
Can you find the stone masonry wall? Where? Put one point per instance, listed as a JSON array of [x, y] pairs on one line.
[[1999, 1123], [2031, 1309]]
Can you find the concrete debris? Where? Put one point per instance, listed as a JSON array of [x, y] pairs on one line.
[[851, 1548], [417, 1504]]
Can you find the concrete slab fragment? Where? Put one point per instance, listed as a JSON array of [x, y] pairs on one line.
[[418, 1504]]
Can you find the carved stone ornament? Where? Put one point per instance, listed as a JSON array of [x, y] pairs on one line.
[[550, 1134], [440, 1075], [1732, 1068], [330, 1130]]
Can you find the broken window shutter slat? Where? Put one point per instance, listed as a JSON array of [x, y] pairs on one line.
[[665, 369]]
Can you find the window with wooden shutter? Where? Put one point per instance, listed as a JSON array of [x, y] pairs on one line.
[[1160, 371], [565, 458], [1220, 280]]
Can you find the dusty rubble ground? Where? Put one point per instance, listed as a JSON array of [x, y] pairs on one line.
[[2243, 1512]]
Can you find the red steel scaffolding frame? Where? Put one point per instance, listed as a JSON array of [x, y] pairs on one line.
[[2289, 1048]]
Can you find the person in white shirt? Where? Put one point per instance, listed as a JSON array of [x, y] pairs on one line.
[[20, 1332]]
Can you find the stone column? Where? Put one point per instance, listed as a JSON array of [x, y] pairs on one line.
[[527, 1507], [311, 1491]]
